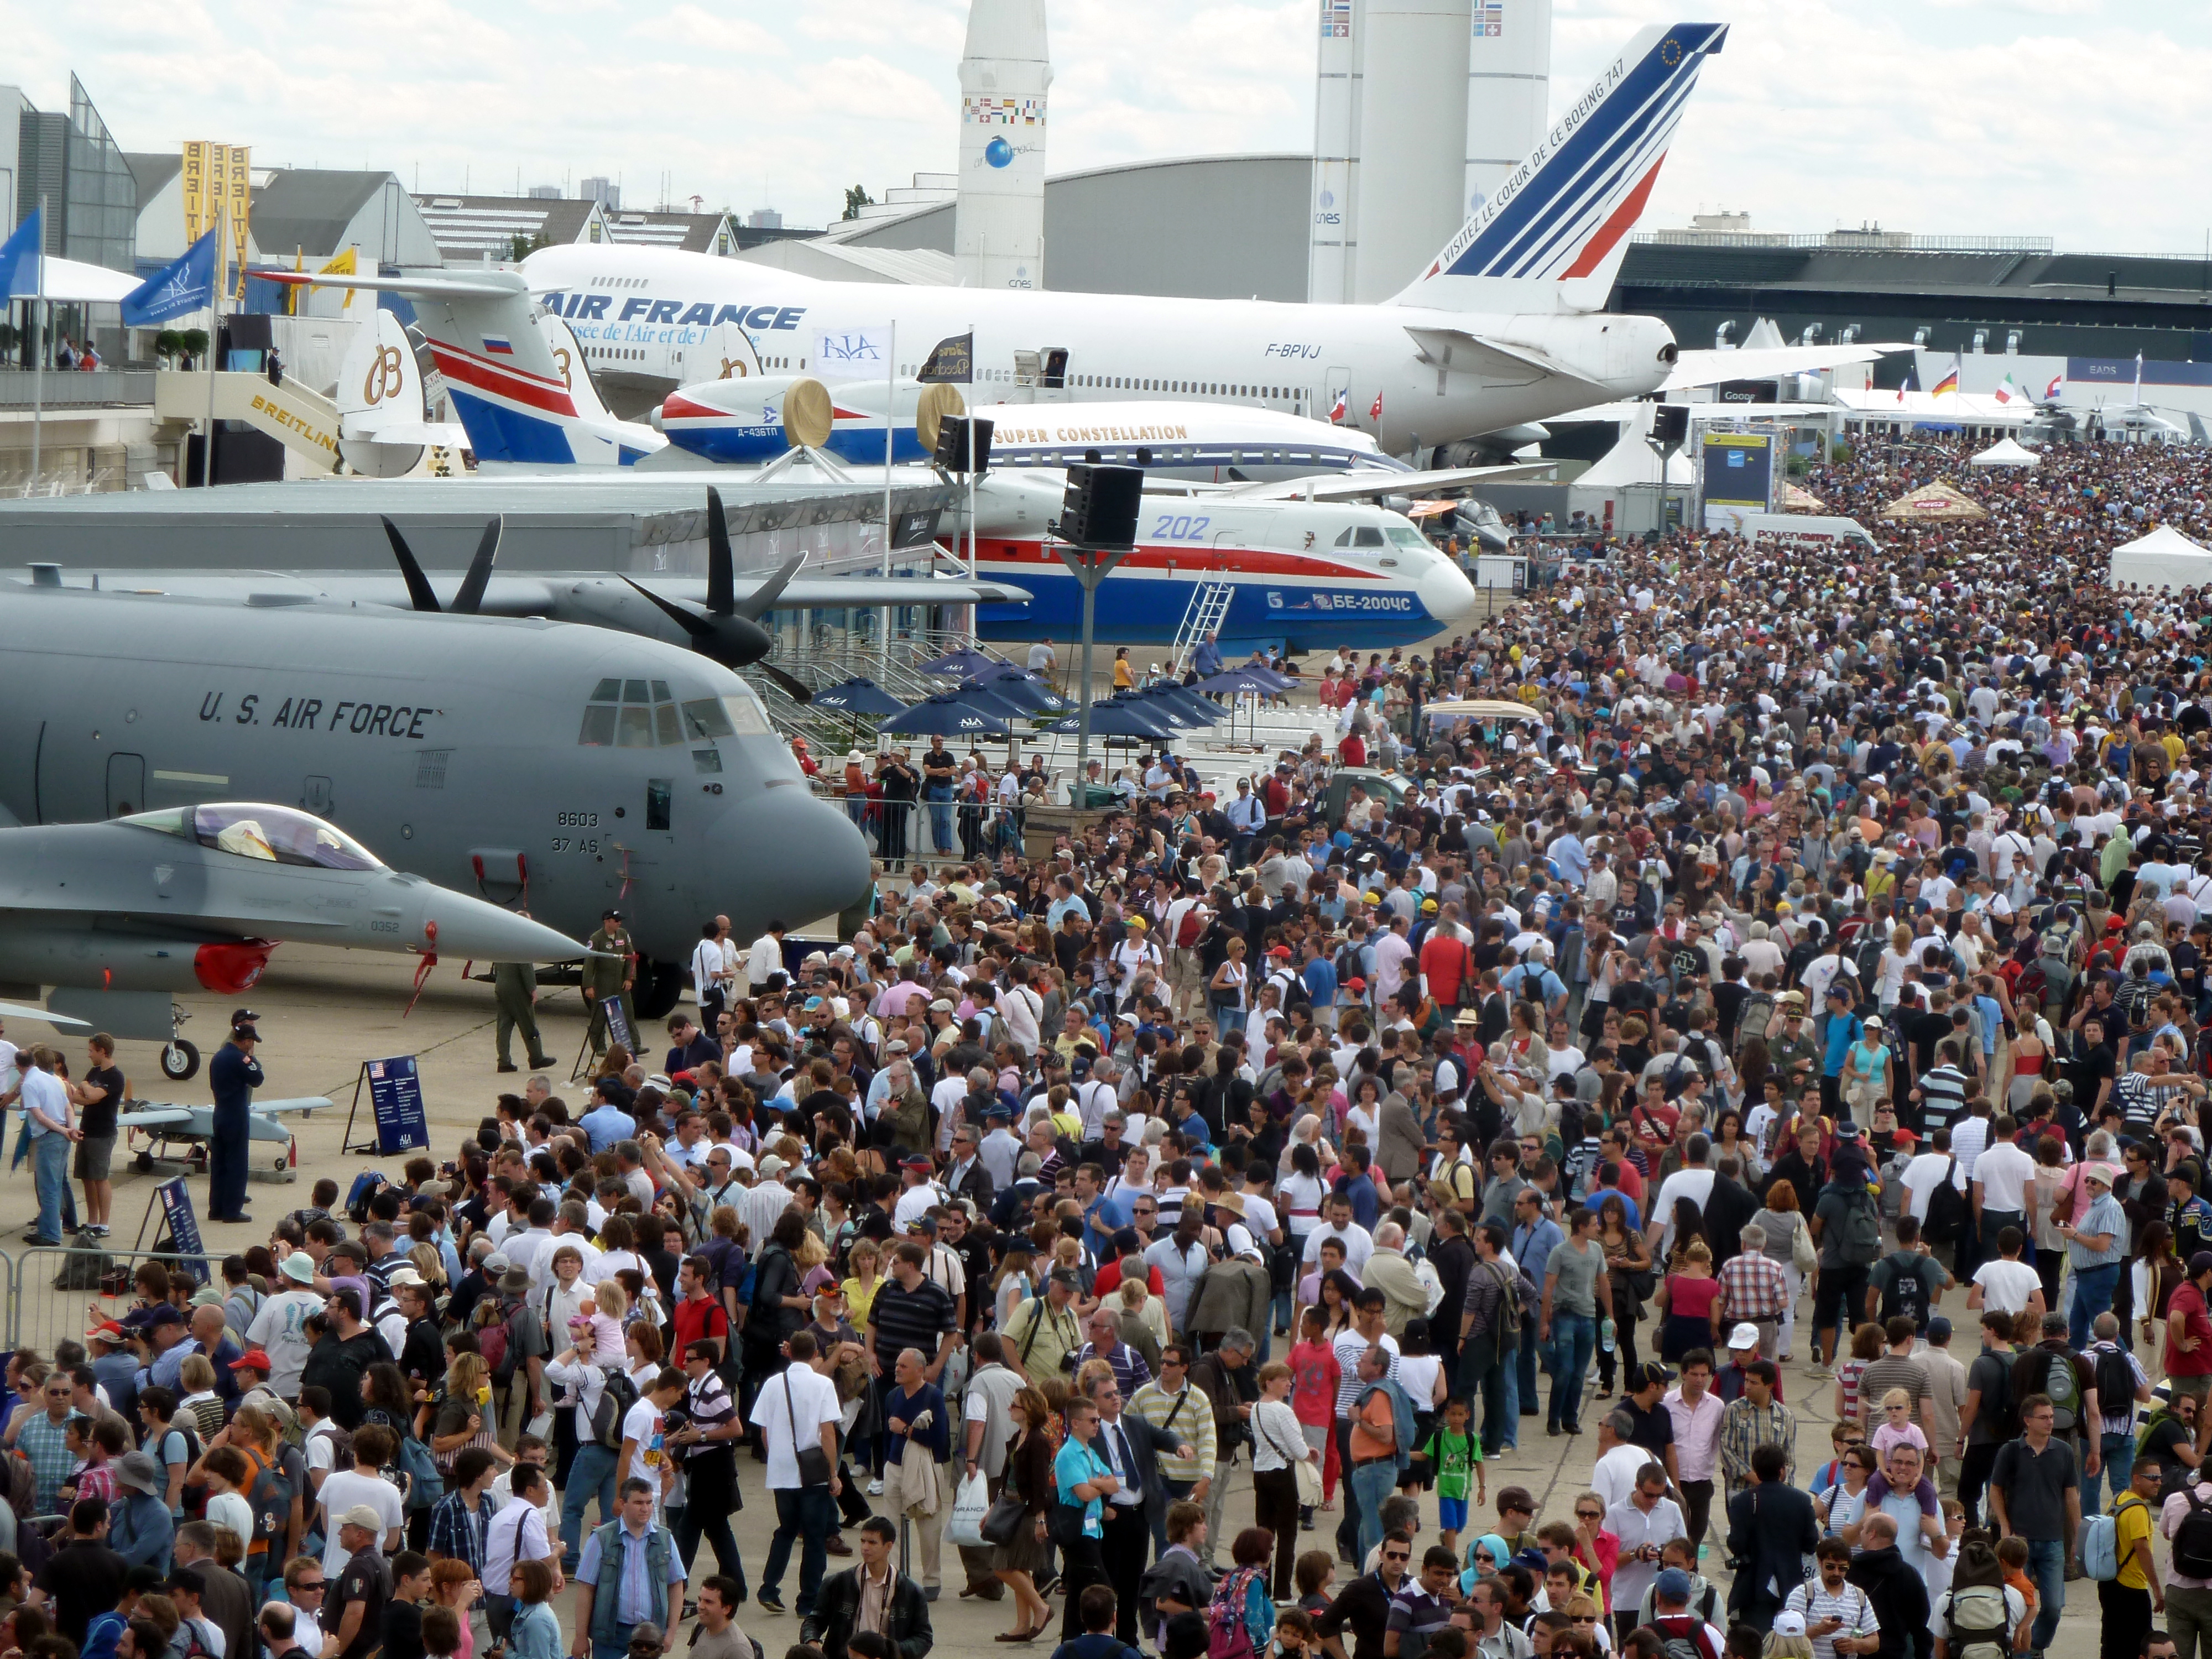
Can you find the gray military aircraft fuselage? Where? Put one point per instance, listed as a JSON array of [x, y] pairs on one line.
[[565, 768]]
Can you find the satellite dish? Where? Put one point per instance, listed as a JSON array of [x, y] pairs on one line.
[[931, 410], [809, 415]]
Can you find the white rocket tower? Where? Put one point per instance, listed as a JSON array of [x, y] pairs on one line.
[[1331, 255], [1509, 81], [998, 220], [1413, 133]]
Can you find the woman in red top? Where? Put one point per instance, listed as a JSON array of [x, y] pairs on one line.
[[1686, 1301]]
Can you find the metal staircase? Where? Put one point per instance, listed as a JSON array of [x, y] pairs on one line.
[[1208, 608]]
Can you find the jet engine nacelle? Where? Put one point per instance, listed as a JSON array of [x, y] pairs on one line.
[[64, 950]]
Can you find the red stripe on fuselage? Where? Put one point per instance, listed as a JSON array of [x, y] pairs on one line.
[[502, 379], [1191, 560]]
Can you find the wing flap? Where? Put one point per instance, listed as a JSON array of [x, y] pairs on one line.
[[1368, 482]]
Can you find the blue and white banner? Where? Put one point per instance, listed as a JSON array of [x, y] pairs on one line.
[[19, 260], [186, 284]]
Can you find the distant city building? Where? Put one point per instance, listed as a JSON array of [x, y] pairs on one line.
[[764, 219], [545, 192], [604, 191]]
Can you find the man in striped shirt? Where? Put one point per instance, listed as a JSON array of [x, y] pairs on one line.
[[1169, 1402], [1837, 1616], [910, 1312]]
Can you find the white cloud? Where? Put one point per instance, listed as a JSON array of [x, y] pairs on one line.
[[2075, 118]]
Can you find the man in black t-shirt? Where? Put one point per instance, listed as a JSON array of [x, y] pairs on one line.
[[353, 1607], [99, 1097]]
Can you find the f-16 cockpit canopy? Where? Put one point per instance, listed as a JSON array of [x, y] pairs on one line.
[[257, 829]]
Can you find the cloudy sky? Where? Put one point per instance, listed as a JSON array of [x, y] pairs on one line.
[[2080, 120]]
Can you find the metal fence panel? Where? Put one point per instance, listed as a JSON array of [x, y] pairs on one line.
[[46, 1303]]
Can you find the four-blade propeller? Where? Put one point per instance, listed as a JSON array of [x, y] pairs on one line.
[[724, 630], [468, 599]]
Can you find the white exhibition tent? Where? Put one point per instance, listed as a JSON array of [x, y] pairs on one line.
[[72, 282], [2005, 453], [2164, 558]]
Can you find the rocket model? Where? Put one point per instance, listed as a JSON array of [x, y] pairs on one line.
[[1413, 124], [997, 236]]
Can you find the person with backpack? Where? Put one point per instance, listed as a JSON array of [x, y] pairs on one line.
[[2051, 1368], [1839, 1615], [1847, 1226], [2121, 1384], [1682, 1633], [1976, 1618], [1906, 1283], [596, 1395], [1987, 1420], [2116, 1552], [2035, 1494]]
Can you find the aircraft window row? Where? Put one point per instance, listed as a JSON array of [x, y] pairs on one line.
[[1202, 388], [1404, 535], [608, 354], [617, 282], [276, 835], [1365, 535]]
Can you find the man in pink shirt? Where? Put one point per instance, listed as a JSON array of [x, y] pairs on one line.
[[1697, 1413]]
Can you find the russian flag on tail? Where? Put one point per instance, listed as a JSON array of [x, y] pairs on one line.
[[499, 344]]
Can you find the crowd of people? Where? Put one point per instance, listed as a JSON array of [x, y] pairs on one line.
[[1828, 942]]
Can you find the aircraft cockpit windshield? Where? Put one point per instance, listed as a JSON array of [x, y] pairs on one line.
[[625, 713], [255, 829]]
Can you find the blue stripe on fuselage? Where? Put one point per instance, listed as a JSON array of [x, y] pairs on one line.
[[499, 433]]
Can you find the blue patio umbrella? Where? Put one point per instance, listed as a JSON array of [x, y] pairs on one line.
[[1183, 700], [858, 696], [1242, 681], [967, 663], [980, 694], [1262, 672], [1109, 719], [1176, 720], [945, 715], [1032, 690]]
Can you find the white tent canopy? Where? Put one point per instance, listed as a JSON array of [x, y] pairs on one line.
[[2005, 453], [2164, 558], [72, 282]]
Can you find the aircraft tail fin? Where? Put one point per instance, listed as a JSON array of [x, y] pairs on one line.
[[1551, 237], [380, 382], [503, 377]]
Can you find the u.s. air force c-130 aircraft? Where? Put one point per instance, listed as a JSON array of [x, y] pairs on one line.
[[565, 768]]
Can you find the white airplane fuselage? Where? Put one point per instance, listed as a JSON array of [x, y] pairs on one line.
[[650, 312]]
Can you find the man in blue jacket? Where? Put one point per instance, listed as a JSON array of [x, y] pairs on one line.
[[233, 1076]]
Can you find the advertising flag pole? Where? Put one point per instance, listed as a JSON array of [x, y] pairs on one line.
[[38, 349], [891, 416], [215, 340]]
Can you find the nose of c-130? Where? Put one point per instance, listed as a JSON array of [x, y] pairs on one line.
[[793, 858]]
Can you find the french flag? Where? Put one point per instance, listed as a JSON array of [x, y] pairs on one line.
[[2057, 384], [499, 343]]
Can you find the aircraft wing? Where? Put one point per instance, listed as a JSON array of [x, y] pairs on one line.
[[533, 596], [451, 433], [1768, 362], [803, 592], [155, 1117], [302, 1103], [24, 1010], [437, 285], [1369, 481]]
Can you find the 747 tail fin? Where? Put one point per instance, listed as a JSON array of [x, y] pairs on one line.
[[1551, 237]]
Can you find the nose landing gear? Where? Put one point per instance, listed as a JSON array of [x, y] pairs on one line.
[[180, 1060]]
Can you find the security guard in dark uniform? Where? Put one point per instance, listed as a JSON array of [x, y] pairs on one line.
[[609, 972], [514, 988], [233, 1075]]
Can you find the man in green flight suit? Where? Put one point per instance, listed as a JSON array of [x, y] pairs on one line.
[[609, 972], [514, 989]]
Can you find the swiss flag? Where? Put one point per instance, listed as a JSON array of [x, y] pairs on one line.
[[1376, 413]]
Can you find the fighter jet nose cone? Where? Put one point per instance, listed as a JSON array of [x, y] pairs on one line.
[[812, 857]]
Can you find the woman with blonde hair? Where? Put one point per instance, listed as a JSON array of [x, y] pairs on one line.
[[462, 1414], [426, 1261], [1684, 1305], [865, 1261]]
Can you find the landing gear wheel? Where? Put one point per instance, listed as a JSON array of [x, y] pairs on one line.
[[180, 1060], [658, 986]]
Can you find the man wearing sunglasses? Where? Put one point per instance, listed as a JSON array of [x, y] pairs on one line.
[[1364, 1606]]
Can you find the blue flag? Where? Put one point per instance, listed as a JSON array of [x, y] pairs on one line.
[[19, 260], [186, 284]]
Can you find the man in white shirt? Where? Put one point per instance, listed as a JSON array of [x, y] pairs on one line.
[[1999, 1189], [517, 1532], [710, 977], [1337, 1223], [1693, 1182], [1926, 1169], [47, 1111], [798, 1401], [765, 960]]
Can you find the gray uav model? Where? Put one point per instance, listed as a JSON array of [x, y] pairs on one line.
[[117, 916], [563, 769]]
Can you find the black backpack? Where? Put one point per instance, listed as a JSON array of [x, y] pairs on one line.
[[1947, 1210], [2193, 1539], [617, 1396], [2116, 1384], [1906, 1293]]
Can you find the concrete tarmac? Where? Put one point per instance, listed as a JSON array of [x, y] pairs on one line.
[[323, 1011]]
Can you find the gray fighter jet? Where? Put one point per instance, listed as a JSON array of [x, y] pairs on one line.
[[117, 916], [566, 769]]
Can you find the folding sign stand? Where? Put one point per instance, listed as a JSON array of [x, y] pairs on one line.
[[177, 1232], [618, 1030], [396, 1116]]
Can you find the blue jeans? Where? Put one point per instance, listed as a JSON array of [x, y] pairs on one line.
[[592, 1474], [2092, 1295], [811, 1514], [1574, 1339], [1509, 1401], [2117, 1452], [2047, 1566], [1372, 1484], [50, 1161], [1526, 1393], [940, 797]]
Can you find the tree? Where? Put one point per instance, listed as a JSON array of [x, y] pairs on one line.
[[520, 247], [168, 344], [856, 198]]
